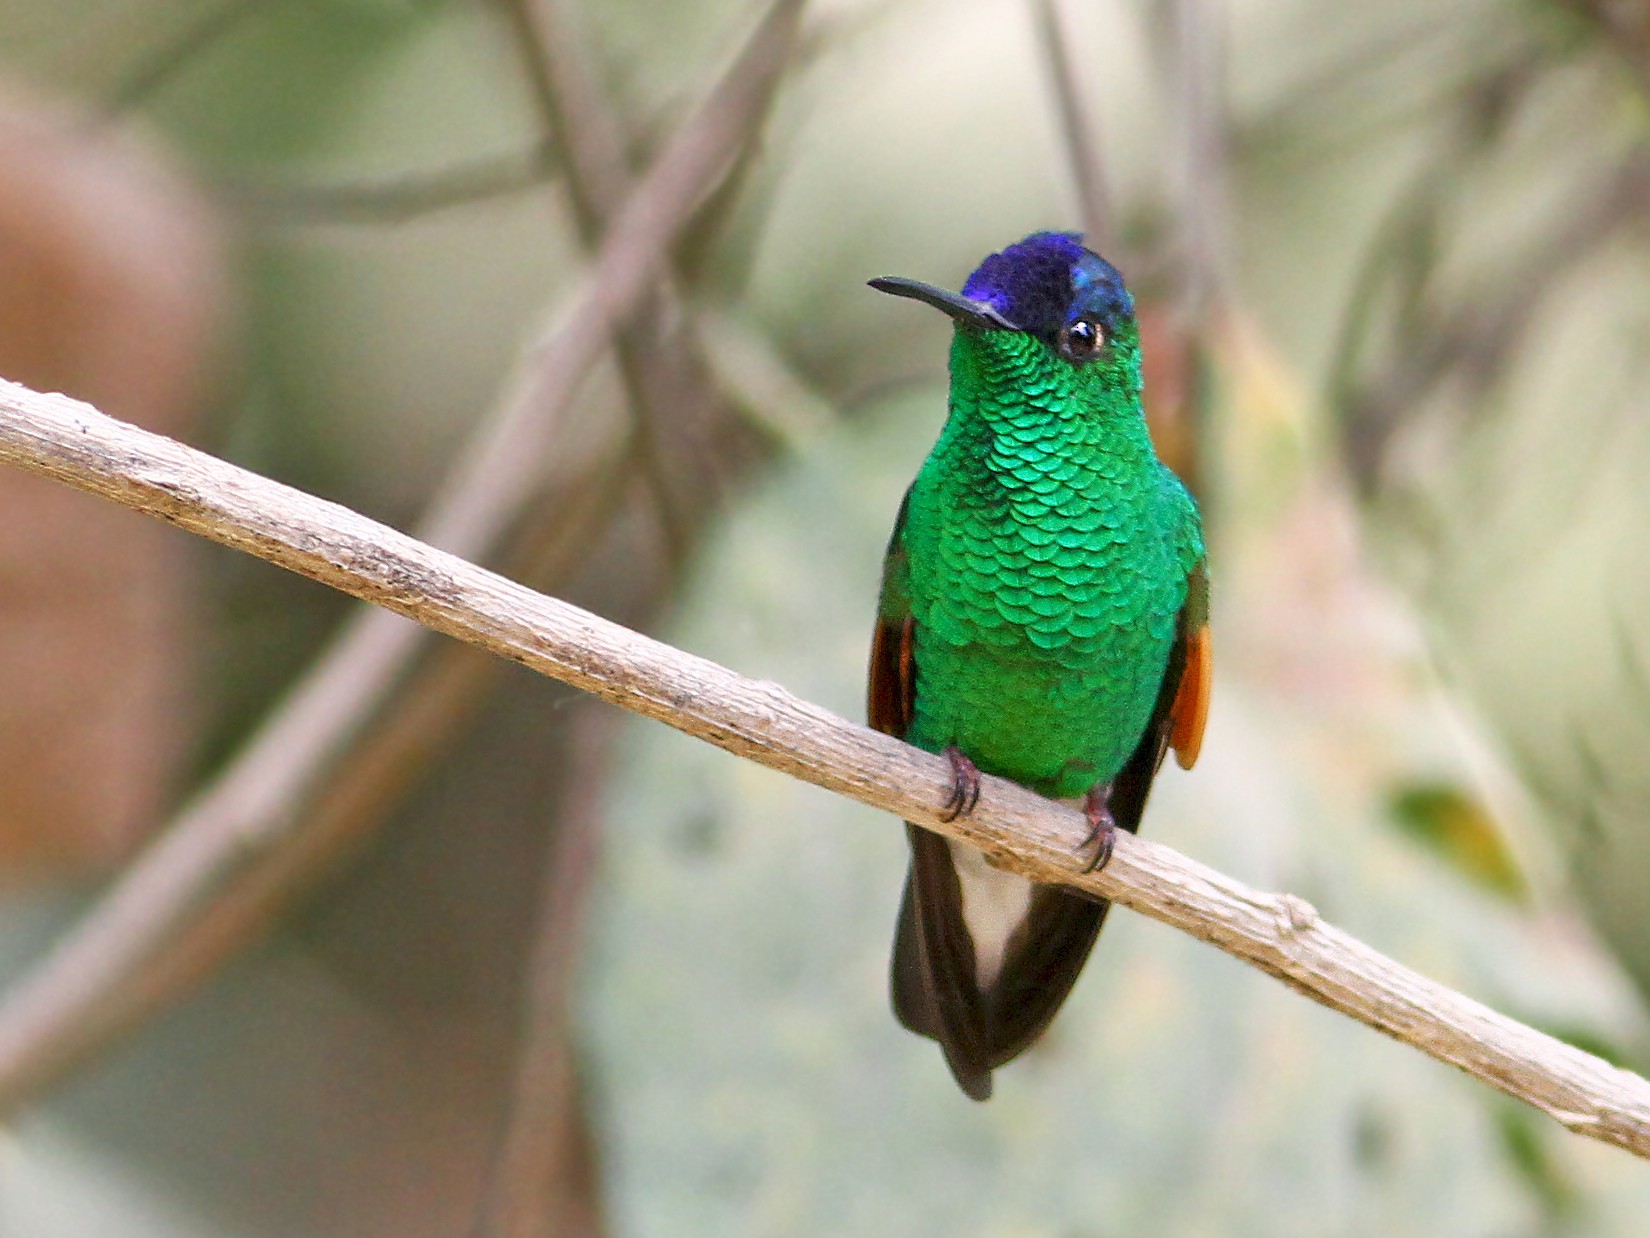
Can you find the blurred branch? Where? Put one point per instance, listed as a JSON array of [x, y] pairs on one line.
[[427, 713], [1386, 81], [1195, 309], [1278, 933], [1079, 131], [660, 371], [159, 67], [1192, 36], [1471, 340], [714, 251], [1430, 339], [1625, 25], [580, 122], [749, 367], [392, 200], [542, 1180], [251, 810]]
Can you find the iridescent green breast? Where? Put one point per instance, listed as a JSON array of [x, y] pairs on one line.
[[1049, 552]]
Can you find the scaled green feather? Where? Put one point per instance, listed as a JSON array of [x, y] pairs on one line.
[[1032, 569]]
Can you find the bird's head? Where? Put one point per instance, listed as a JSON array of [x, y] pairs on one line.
[[1050, 309]]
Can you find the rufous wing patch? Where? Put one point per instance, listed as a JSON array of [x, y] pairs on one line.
[[1190, 711]]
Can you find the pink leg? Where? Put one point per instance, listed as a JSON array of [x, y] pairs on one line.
[[1102, 829], [965, 785]]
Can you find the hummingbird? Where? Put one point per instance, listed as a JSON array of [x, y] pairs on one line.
[[1043, 617]]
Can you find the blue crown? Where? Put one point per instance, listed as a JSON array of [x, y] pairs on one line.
[[1048, 280]]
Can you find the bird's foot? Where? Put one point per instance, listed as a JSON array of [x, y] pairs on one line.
[[965, 785], [1102, 829]]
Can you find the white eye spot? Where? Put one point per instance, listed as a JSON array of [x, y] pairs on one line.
[[1081, 340]]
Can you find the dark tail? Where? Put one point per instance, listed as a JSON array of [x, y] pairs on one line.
[[935, 983]]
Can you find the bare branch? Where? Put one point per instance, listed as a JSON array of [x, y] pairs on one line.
[[251, 809], [1192, 34], [540, 1184], [664, 378], [394, 199], [1472, 338], [1278, 933], [428, 711], [1626, 29], [1079, 131], [570, 101], [160, 67]]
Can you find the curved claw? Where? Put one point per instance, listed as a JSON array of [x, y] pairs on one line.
[[965, 785], [1102, 829]]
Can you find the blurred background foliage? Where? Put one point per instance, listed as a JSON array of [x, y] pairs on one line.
[[1391, 262]]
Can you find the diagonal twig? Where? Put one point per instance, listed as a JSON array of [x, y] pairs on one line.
[[1278, 933], [1078, 130], [540, 1183], [1625, 29], [580, 124], [162, 66], [390, 200], [1191, 35], [592, 143], [251, 809], [542, 1178], [666, 375], [438, 699]]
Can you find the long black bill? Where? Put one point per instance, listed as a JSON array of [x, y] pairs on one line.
[[970, 313]]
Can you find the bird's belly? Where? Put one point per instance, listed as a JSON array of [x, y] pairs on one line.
[[1057, 721], [1041, 639]]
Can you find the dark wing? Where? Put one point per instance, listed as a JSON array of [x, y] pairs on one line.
[[891, 690]]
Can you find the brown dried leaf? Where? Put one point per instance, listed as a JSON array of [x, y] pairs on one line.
[[110, 290]]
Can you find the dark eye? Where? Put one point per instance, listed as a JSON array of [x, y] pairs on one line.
[[1080, 340]]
